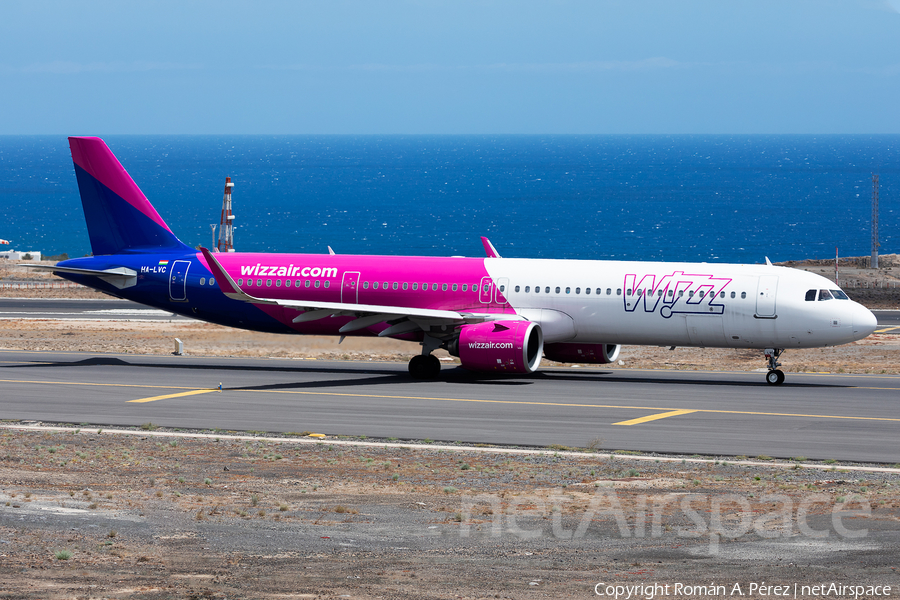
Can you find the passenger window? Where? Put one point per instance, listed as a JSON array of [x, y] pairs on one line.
[[415, 286], [732, 294], [608, 291], [568, 290], [259, 283], [317, 283], [434, 287], [287, 283], [277, 283], [203, 281], [455, 287], [374, 285], [327, 283], [537, 289], [465, 287], [691, 294], [306, 283], [240, 282], [297, 283], [268, 283], [670, 293], [405, 286], [681, 293], [743, 295], [395, 286], [577, 290], [825, 295], [502, 288], [212, 281], [618, 291], [365, 285], [810, 295], [443, 287], [587, 290], [628, 292], [385, 285], [840, 295], [659, 293]]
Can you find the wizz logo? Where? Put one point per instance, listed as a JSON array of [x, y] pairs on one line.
[[678, 293]]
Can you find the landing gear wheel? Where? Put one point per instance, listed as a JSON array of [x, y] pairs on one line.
[[775, 377], [424, 366]]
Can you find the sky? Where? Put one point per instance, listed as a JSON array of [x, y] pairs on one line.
[[450, 67]]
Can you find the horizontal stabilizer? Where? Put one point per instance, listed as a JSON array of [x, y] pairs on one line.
[[120, 277]]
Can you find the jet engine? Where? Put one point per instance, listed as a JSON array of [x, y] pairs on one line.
[[499, 347], [595, 354]]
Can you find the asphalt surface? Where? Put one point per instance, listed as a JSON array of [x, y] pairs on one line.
[[62, 308], [842, 417]]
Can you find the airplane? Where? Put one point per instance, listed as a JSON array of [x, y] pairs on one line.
[[497, 315]]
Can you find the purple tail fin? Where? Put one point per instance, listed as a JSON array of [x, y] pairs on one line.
[[119, 217]]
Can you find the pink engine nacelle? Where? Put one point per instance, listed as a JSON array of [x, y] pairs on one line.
[[595, 354], [500, 347]]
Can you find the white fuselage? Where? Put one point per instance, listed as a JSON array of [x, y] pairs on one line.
[[679, 304]]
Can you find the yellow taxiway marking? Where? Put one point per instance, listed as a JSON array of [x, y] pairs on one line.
[[886, 329], [655, 417], [178, 395], [475, 400]]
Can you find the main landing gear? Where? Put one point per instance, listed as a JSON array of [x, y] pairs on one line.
[[774, 376], [424, 366]]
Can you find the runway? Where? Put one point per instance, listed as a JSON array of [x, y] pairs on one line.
[[111, 309], [842, 417]]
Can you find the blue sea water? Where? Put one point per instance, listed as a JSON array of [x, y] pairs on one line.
[[734, 198]]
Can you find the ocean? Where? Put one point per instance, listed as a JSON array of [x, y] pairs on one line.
[[728, 198]]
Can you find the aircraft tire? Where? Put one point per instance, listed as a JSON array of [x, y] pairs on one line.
[[775, 377], [424, 367]]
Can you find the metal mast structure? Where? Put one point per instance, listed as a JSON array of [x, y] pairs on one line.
[[226, 222], [875, 243]]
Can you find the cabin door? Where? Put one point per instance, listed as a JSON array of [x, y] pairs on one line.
[[765, 296], [178, 280], [350, 288]]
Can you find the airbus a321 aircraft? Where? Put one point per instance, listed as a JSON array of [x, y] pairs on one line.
[[498, 315]]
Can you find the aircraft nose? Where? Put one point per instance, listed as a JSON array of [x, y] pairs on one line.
[[864, 321]]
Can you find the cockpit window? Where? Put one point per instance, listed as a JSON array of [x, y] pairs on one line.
[[825, 295], [810, 295], [840, 295]]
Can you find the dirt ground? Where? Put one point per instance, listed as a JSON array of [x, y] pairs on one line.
[[86, 513]]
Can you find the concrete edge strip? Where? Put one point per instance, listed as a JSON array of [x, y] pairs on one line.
[[414, 446]]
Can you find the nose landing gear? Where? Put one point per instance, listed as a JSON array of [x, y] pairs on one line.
[[774, 376]]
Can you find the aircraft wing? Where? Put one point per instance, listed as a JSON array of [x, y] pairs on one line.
[[402, 319]]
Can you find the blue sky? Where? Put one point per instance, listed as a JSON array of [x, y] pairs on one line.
[[581, 66]]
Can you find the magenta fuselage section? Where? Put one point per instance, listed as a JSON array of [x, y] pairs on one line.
[[440, 283]]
